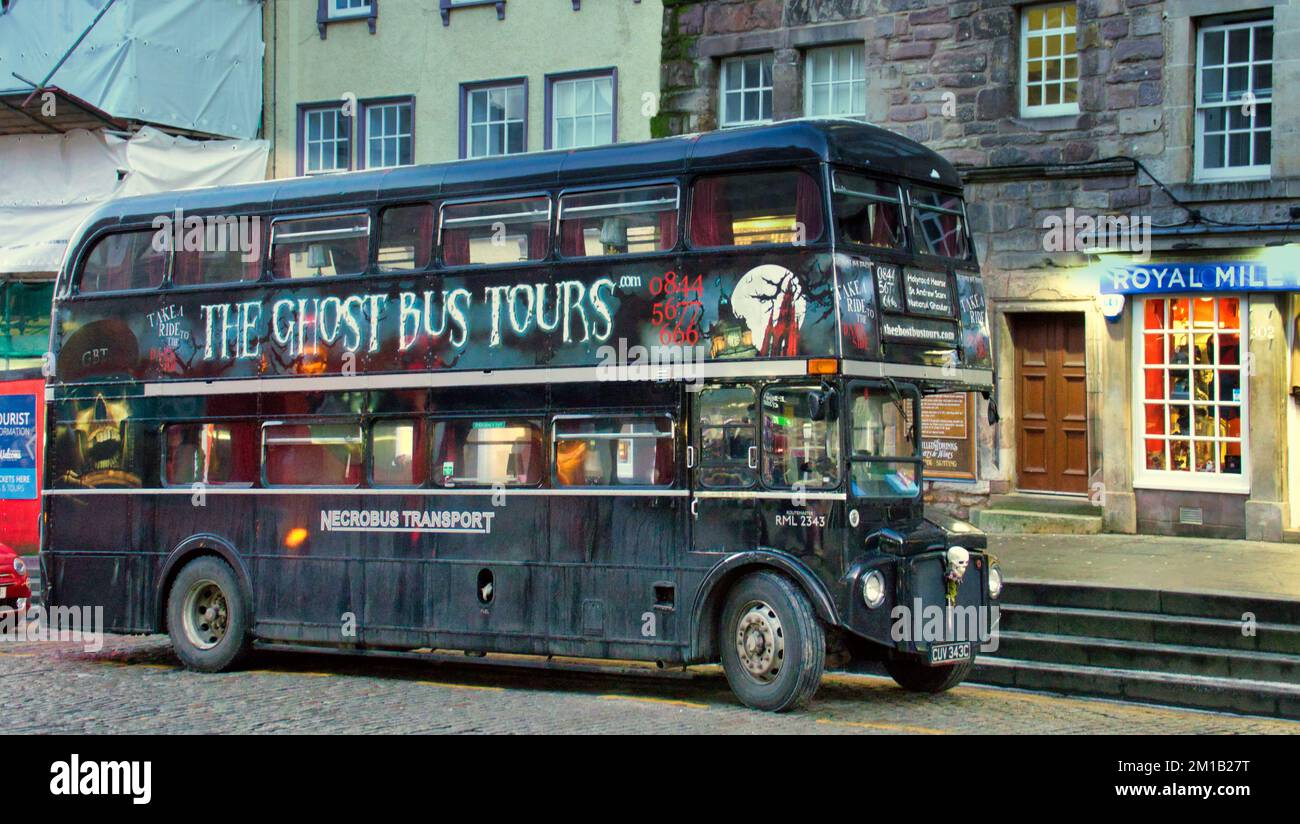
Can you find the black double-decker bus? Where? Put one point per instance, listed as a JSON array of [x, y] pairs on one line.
[[655, 401]]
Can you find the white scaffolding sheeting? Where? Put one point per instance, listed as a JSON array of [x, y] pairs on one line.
[[189, 64], [51, 183]]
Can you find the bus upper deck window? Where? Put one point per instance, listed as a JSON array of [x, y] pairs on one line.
[[615, 451], [939, 224], [406, 237], [747, 208], [217, 454], [230, 253], [618, 222], [868, 211], [496, 231], [320, 246], [125, 260]]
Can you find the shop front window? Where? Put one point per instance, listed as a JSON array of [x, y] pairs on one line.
[[1192, 391]]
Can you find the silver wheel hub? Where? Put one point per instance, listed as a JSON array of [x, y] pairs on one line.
[[205, 614], [760, 641]]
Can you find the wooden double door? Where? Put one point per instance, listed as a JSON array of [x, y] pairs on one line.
[[1051, 402]]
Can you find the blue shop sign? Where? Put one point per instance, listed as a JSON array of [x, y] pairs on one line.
[[1163, 278]]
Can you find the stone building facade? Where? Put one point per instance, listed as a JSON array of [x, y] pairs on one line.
[[1168, 408]]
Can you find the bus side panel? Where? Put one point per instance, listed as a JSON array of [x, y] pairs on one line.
[[91, 562], [308, 583], [609, 552]]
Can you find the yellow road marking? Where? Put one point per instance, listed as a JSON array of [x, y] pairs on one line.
[[672, 702], [881, 725], [450, 686]]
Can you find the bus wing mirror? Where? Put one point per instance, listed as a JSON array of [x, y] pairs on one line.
[[823, 405]]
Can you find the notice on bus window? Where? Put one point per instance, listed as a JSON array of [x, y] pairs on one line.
[[17, 447], [948, 436]]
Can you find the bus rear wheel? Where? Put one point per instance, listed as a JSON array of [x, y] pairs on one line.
[[915, 676], [207, 616], [773, 647]]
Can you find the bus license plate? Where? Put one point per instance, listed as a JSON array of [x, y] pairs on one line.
[[949, 653]]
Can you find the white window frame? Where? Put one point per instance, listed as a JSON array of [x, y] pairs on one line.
[[346, 9], [342, 134], [1166, 479], [575, 117], [723, 90], [399, 135], [1048, 109], [1255, 171], [503, 123], [856, 80]]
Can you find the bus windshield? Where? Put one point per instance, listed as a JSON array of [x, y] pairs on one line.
[[883, 442]]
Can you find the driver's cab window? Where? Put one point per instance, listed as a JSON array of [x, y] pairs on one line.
[[882, 428], [801, 438], [728, 446]]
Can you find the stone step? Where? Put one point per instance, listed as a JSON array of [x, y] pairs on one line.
[[1023, 521], [1216, 633], [1264, 609], [1195, 691], [1177, 659], [1066, 505]]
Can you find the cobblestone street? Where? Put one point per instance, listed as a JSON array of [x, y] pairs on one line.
[[135, 685]]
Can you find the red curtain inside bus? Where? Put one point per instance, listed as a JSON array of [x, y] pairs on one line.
[[761, 202]]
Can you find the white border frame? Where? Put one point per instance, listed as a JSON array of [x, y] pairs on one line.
[[1164, 479]]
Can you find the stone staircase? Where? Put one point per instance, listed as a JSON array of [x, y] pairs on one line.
[[1021, 513], [1174, 648]]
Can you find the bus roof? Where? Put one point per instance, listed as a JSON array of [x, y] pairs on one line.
[[789, 142]]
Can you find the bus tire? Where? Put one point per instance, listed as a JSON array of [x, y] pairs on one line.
[[773, 646], [915, 676], [207, 616]]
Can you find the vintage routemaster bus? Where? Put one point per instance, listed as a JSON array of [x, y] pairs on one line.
[[654, 401]]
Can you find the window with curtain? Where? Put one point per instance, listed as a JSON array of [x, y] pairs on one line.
[[222, 261], [487, 452], [835, 82], [748, 208], [867, 211], [619, 221], [1191, 393], [320, 246], [216, 454], [1234, 100], [126, 260], [614, 451], [312, 454], [496, 231], [405, 237]]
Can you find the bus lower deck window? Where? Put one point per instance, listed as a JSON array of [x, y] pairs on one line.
[[727, 435], [312, 454], [798, 446], [223, 454], [397, 453], [615, 451], [487, 452]]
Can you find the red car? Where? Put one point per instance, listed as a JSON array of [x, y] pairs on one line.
[[15, 587]]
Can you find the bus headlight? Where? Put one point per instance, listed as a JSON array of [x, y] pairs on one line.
[[873, 589], [995, 581]]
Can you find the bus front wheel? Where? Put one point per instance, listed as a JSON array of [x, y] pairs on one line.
[[915, 676], [773, 647], [207, 617]]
